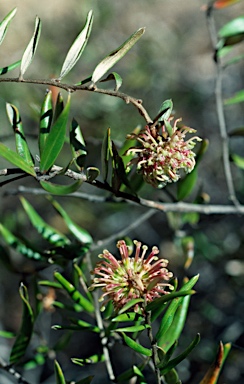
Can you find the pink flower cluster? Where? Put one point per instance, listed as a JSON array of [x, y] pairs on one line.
[[161, 156], [131, 277]]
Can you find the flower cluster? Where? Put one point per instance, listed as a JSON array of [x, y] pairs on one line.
[[161, 156], [132, 277]]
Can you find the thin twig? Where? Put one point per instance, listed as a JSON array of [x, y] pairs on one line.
[[220, 109], [13, 372], [73, 88], [206, 209]]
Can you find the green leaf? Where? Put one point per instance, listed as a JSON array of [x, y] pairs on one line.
[[116, 77], [57, 189], [78, 145], [139, 374], [106, 154], [48, 232], [76, 296], [177, 325], [20, 140], [30, 49], [186, 185], [7, 335], [133, 328], [90, 360], [15, 159], [212, 375], [237, 132], [60, 379], [19, 245], [172, 377], [128, 316], [81, 234], [238, 160], [83, 325], [47, 283], [232, 28], [55, 140], [5, 22], [237, 98], [59, 106], [9, 68], [135, 346], [166, 298], [92, 173], [119, 175], [165, 110], [45, 121], [77, 47], [26, 328], [110, 60], [174, 362], [129, 374], [130, 304]]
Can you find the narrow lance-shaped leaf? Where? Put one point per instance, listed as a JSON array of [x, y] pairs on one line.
[[25, 332], [48, 232], [116, 77], [20, 140], [81, 234], [135, 346], [77, 144], [133, 328], [19, 245], [9, 68], [55, 140], [77, 47], [59, 106], [5, 22], [60, 379], [45, 121], [61, 190], [16, 160], [109, 61], [237, 98], [213, 372], [106, 154], [238, 160], [30, 49]]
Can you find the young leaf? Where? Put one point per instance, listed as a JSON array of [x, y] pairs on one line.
[[45, 121], [130, 304], [19, 245], [26, 328], [238, 160], [81, 234], [232, 28], [9, 68], [48, 233], [15, 159], [60, 379], [55, 140], [109, 61], [20, 140], [135, 346], [76, 296], [30, 49], [5, 22], [77, 144], [57, 189], [116, 77], [77, 47], [237, 98]]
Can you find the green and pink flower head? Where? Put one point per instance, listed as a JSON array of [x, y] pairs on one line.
[[131, 277], [162, 155]]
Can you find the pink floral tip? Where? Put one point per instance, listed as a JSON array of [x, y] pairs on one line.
[[160, 157], [131, 277]]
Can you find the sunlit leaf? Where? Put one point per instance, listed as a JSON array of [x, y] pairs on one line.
[[81, 234], [119, 175], [116, 77], [76, 296], [48, 232], [139, 374], [77, 47], [213, 372], [219, 4], [57, 189], [5, 22], [237, 98], [9, 68], [136, 346], [19, 245], [45, 121], [127, 375], [90, 360], [232, 28], [169, 297], [20, 140], [26, 328], [78, 145], [110, 60], [130, 304], [30, 49], [128, 316], [238, 160], [15, 159], [60, 379], [7, 335], [55, 140], [133, 328], [165, 110]]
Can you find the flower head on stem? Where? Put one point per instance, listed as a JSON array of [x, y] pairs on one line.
[[131, 277]]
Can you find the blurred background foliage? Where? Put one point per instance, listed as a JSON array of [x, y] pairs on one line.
[[173, 60]]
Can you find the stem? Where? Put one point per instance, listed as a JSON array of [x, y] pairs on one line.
[[220, 109], [154, 347]]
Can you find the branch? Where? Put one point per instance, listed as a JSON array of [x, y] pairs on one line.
[[90, 88], [181, 207], [220, 109]]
